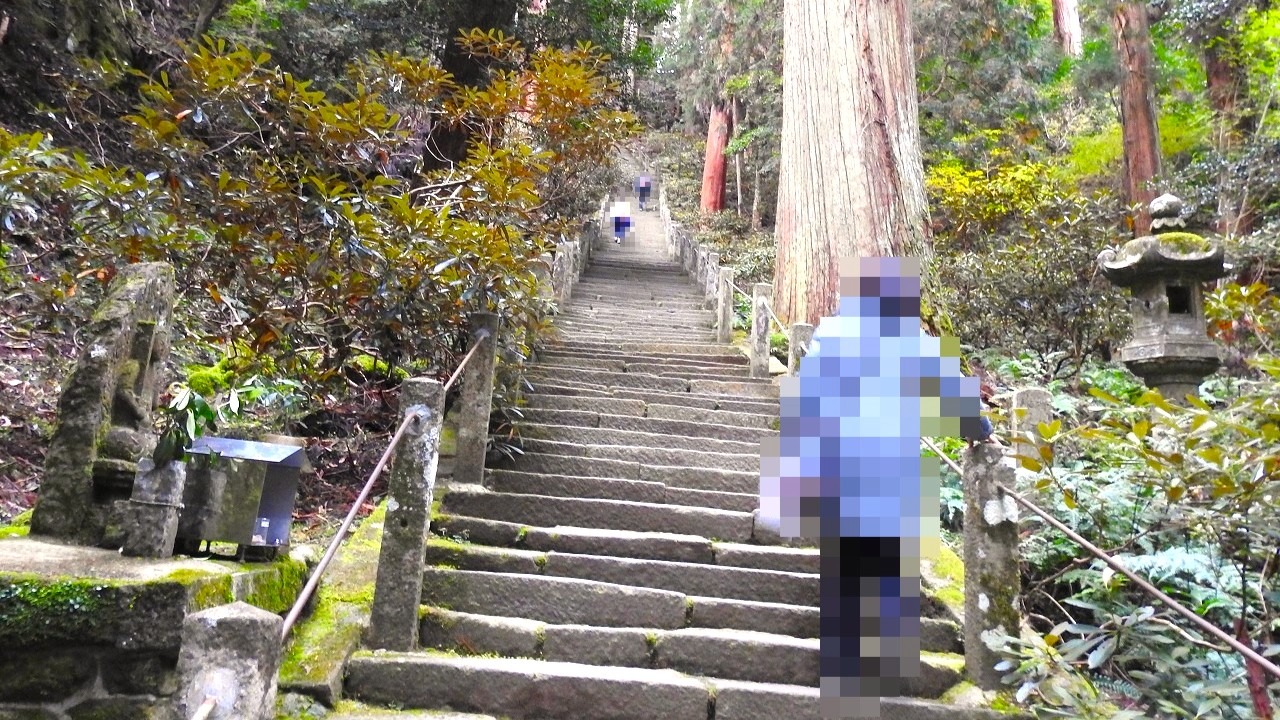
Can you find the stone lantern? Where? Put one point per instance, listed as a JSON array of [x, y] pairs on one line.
[[1170, 348]]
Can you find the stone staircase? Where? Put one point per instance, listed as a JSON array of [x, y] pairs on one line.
[[615, 571]]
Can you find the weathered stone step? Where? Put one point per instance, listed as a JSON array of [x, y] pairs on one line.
[[630, 346], [728, 358], [696, 579], [547, 511], [562, 600], [687, 370], [709, 402], [631, 423], [801, 560], [609, 334], [737, 700], [740, 462], [406, 715], [606, 379], [683, 399], [763, 420], [591, 309], [646, 491], [731, 654], [530, 689], [695, 478], [524, 689], [608, 436], [583, 541]]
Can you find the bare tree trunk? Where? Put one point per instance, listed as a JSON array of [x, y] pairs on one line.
[[208, 11], [1066, 27], [713, 164], [852, 179], [1137, 108]]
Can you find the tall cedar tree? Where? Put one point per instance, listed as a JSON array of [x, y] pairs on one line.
[[852, 178], [1137, 108]]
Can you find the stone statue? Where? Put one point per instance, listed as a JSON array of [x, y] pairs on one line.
[[105, 412]]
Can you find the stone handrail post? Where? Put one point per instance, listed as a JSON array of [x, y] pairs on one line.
[[711, 282], [393, 624], [230, 653], [798, 346], [724, 305], [991, 557], [544, 272], [476, 402], [760, 296]]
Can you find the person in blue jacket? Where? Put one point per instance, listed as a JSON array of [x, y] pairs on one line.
[[846, 470]]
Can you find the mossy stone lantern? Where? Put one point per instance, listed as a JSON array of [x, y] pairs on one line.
[[1170, 348]]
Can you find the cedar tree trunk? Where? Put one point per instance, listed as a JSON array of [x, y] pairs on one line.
[[1066, 27], [852, 180], [1137, 108], [713, 165]]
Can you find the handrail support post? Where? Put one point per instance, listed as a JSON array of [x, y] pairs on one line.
[[475, 403]]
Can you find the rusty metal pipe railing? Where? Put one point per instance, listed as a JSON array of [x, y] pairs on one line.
[[314, 581], [1116, 565]]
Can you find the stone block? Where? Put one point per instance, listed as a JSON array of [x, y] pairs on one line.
[[44, 676], [117, 709], [232, 653], [140, 674]]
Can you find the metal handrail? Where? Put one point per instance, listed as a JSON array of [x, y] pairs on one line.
[[206, 708], [767, 305], [1099, 553], [309, 589], [314, 580]]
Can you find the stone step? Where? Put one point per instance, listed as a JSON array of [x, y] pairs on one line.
[[694, 579], [606, 379], [531, 689], [801, 560], [610, 334], [583, 541], [647, 491], [591, 309], [610, 405], [687, 370], [526, 689], [548, 511], [560, 600], [740, 462], [694, 478], [530, 429], [631, 346], [763, 420], [730, 654], [729, 357], [650, 426], [700, 400], [407, 715]]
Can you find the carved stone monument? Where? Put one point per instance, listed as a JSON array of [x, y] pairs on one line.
[[105, 412]]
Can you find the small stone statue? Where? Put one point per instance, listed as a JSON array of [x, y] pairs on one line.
[[104, 414]]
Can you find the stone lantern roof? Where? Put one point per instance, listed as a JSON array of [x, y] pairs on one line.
[[1169, 252]]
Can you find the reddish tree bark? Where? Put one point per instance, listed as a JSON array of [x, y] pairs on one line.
[[1066, 27], [1137, 108], [713, 165]]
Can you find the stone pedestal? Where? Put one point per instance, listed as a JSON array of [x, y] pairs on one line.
[[151, 519]]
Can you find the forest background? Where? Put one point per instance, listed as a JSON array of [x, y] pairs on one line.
[[340, 183]]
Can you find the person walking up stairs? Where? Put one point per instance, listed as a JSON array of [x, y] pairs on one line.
[[615, 570]]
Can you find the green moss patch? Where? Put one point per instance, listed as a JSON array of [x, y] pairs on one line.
[[19, 526], [1184, 243]]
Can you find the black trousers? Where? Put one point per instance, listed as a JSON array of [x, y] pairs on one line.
[[865, 598]]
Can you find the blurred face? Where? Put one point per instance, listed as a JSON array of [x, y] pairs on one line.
[[893, 281]]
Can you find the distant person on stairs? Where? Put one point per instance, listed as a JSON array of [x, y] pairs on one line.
[[620, 217], [846, 470], [644, 186]]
